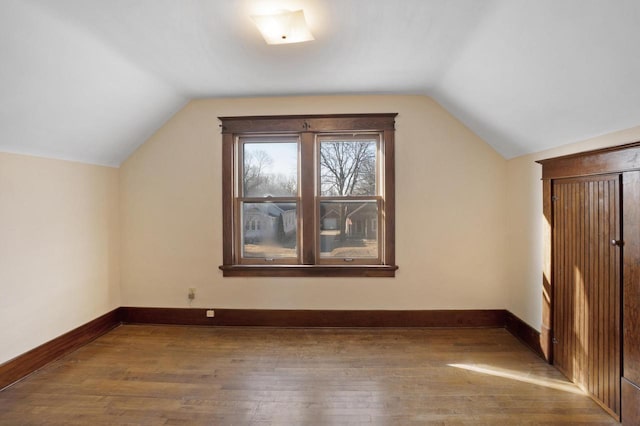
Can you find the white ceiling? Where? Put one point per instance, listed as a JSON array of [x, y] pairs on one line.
[[90, 80]]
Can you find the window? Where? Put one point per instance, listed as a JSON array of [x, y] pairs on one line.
[[308, 195], [348, 197], [267, 199]]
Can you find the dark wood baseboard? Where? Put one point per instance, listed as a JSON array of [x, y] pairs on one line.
[[338, 318], [524, 332], [25, 364], [315, 318]]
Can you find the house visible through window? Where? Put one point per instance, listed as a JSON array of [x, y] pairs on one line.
[[308, 195]]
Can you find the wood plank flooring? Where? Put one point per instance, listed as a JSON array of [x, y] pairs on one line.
[[167, 375]]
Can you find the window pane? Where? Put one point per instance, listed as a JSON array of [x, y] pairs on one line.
[[270, 169], [269, 230], [349, 229], [348, 167]]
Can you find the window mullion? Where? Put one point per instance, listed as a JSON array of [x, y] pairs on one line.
[[307, 198], [389, 203]]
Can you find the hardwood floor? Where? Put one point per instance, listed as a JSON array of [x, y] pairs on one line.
[[168, 375]]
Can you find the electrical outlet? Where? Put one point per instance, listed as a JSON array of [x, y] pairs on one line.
[[192, 293], [211, 313]]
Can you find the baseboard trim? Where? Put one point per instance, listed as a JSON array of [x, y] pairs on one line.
[[25, 364], [524, 332], [315, 318], [469, 318]]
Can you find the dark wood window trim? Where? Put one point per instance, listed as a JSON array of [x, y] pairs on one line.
[[306, 127]]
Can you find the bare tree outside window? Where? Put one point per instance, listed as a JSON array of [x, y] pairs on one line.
[[255, 175], [270, 169], [347, 169], [258, 180]]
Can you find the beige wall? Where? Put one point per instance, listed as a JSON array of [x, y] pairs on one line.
[[450, 235], [79, 240], [59, 248], [526, 223]]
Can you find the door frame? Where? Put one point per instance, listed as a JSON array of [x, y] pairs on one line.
[[616, 159], [623, 159]]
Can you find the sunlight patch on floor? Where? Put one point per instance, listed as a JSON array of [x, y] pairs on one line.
[[562, 385]]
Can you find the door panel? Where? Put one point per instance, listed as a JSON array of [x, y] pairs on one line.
[[586, 276]]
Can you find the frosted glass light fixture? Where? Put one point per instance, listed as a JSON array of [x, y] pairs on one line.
[[283, 27]]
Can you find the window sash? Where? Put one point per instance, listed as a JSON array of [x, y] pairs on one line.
[[240, 233], [241, 199], [239, 166], [353, 137], [350, 260], [376, 137]]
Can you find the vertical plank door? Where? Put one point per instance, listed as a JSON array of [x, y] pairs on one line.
[[586, 274]]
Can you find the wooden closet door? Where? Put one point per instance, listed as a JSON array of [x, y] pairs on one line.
[[586, 276]]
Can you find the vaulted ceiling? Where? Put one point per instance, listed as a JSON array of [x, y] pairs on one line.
[[90, 80]]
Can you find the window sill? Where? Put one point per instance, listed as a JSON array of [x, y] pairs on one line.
[[308, 271]]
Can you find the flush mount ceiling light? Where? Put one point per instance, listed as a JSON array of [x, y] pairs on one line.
[[283, 27]]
